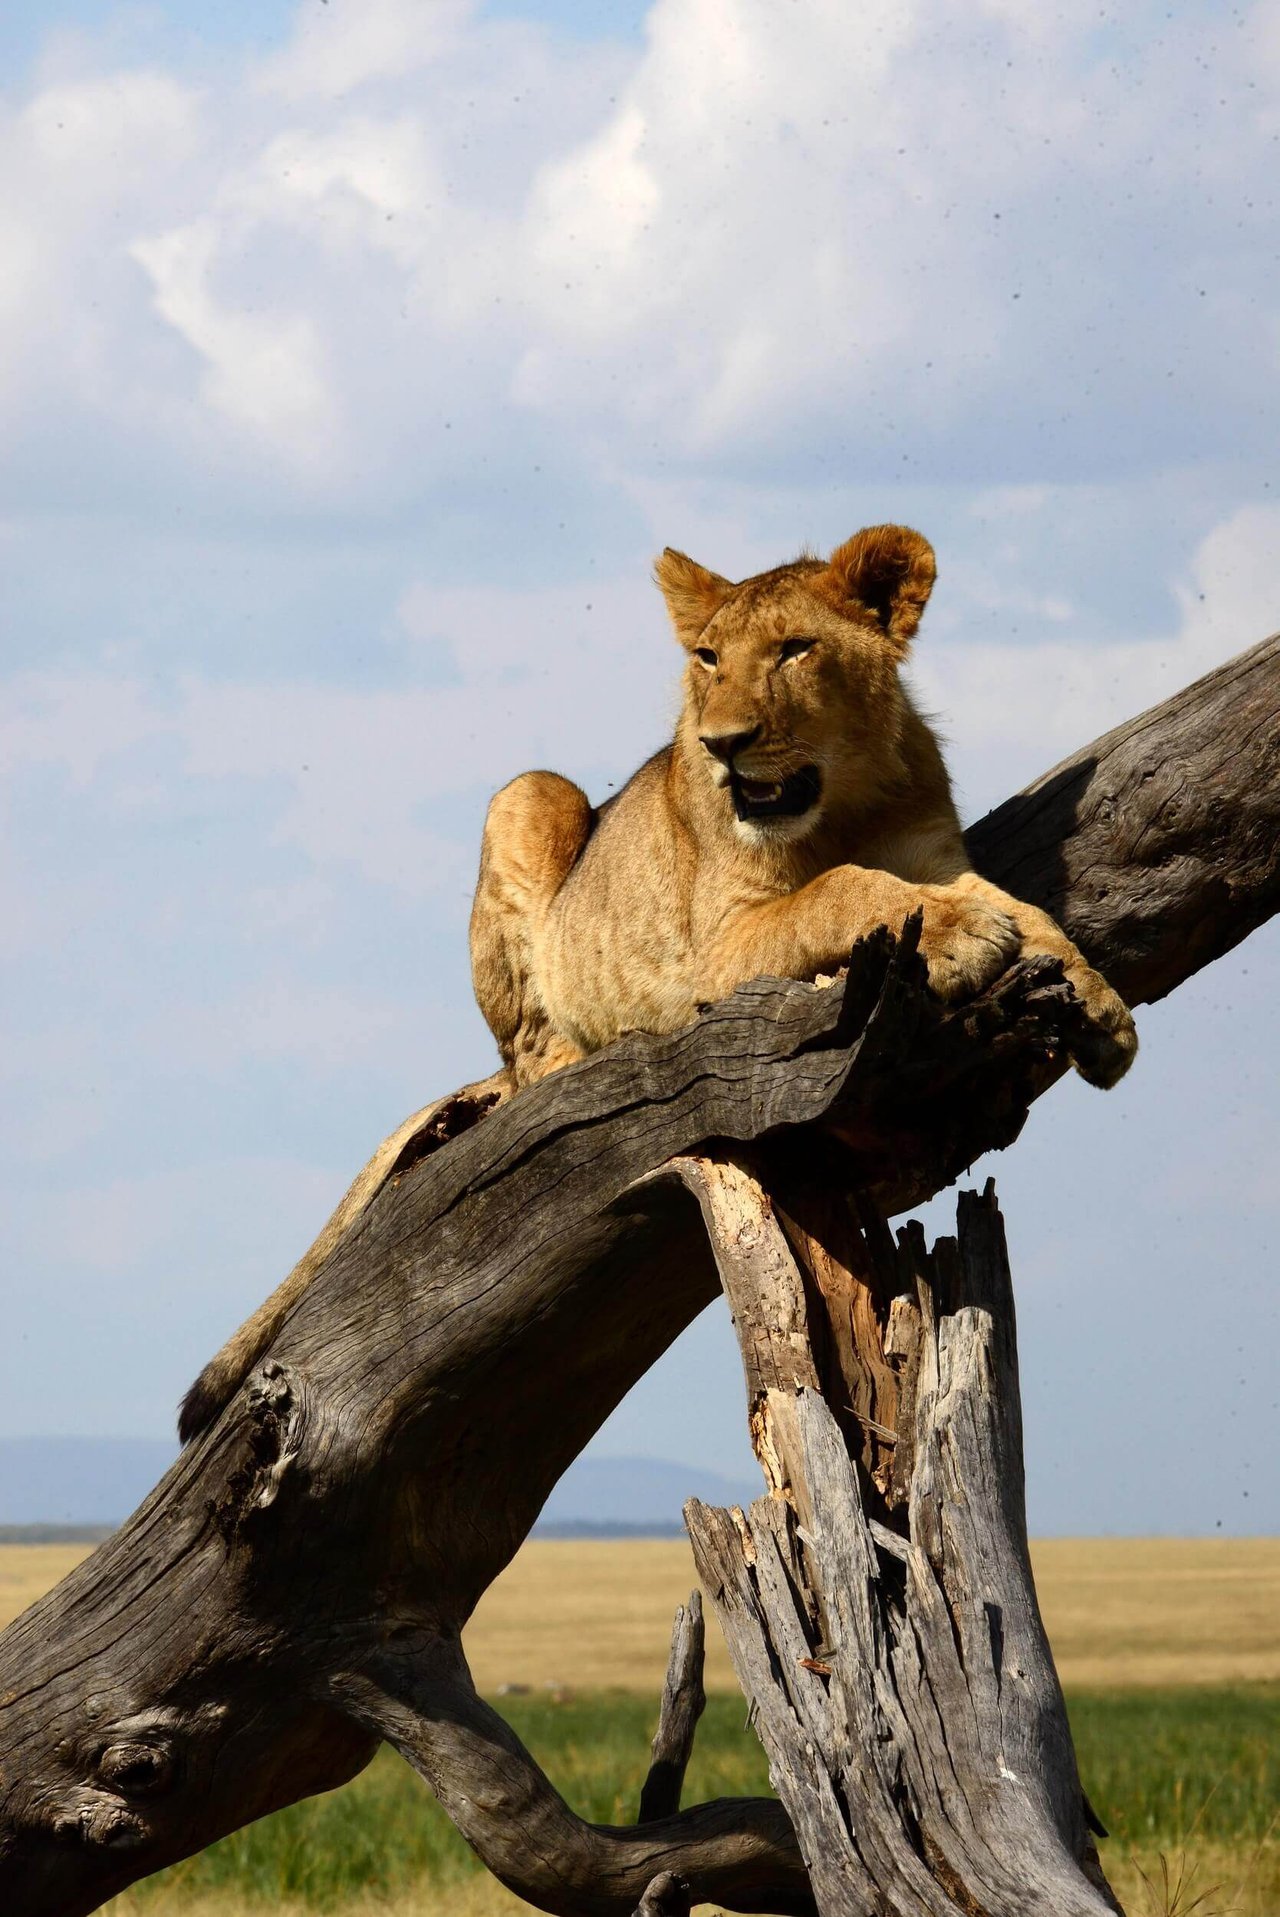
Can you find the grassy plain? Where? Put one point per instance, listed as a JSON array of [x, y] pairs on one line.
[[1169, 1651], [590, 1615], [1191, 1775]]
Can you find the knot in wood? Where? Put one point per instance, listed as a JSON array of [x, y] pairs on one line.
[[276, 1407], [138, 1767], [92, 1817], [275, 1402], [271, 1395]]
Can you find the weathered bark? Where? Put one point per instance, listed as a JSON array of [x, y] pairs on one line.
[[294, 1589], [885, 1625]]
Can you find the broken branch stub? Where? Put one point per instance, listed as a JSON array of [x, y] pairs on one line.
[[683, 1702]]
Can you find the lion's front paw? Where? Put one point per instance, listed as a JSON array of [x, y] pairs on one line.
[[1105, 1041], [965, 942]]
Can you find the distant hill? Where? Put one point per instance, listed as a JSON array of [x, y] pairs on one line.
[[78, 1481], [633, 1497], [97, 1482], [54, 1533]]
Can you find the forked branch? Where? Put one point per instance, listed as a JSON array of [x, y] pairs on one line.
[[739, 1852]]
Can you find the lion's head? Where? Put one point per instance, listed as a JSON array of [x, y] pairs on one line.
[[793, 704]]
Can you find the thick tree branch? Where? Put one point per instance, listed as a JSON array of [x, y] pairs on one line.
[[737, 1851], [1157, 848]]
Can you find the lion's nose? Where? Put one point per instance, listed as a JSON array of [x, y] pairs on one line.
[[725, 745]]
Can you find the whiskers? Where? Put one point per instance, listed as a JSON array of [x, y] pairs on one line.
[[764, 763]]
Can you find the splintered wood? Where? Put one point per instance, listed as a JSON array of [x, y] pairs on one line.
[[879, 1606]]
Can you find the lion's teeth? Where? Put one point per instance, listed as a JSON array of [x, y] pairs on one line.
[[762, 791]]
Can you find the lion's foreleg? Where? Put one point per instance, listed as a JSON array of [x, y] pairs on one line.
[[534, 835], [1107, 1042], [965, 941]]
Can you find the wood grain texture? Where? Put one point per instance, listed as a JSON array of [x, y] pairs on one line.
[[293, 1590]]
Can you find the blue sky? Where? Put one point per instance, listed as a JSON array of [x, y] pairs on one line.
[[355, 360]]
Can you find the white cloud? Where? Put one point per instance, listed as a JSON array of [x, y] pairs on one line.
[[265, 372], [1013, 709], [364, 176], [873, 225], [322, 1030], [348, 44], [82, 159], [850, 236], [78, 722], [1232, 596], [579, 677]]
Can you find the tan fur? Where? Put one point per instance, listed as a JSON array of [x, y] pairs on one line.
[[588, 924]]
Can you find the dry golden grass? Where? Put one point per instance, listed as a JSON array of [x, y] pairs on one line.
[[27, 1571], [1206, 1881], [1120, 1611], [1164, 1611], [587, 1614]]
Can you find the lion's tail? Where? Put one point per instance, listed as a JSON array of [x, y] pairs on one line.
[[224, 1374], [425, 1132]]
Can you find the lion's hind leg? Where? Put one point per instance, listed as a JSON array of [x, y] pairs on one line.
[[533, 836]]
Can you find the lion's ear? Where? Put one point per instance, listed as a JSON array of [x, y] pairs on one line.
[[885, 573], [693, 594]]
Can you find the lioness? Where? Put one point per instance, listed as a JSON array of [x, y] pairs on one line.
[[803, 802]]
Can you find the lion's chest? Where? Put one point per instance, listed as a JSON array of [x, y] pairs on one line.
[[618, 953]]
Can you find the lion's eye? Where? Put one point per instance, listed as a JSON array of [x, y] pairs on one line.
[[705, 657], [794, 649]]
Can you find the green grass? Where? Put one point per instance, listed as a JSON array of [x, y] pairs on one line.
[[384, 1831], [1166, 1768], [1165, 1771]]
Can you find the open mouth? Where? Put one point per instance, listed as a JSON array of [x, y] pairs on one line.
[[785, 798]]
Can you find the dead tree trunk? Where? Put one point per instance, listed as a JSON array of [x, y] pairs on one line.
[[879, 1607], [293, 1591]]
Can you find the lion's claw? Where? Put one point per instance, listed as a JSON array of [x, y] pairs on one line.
[[1104, 1043]]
